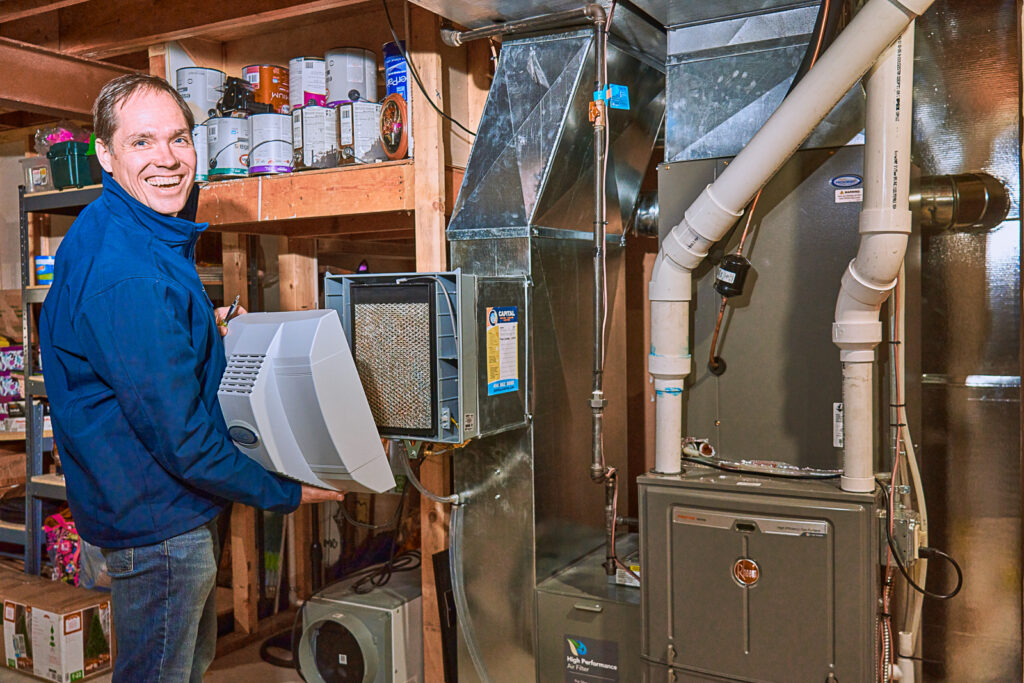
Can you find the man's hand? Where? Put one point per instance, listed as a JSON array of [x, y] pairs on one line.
[[314, 494], [221, 313]]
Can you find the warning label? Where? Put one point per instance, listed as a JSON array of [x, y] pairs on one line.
[[588, 660], [849, 194], [502, 349]]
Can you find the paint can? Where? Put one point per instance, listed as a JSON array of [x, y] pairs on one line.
[[351, 75], [201, 89], [314, 137], [228, 144], [358, 133], [307, 81], [396, 72], [269, 84], [201, 143], [271, 150]]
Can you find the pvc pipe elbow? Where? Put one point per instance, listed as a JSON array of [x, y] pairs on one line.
[[669, 280]]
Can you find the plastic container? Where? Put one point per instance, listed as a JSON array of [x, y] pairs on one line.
[[70, 166], [44, 270], [38, 177]]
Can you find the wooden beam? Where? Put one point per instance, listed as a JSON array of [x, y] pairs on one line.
[[45, 81], [366, 248], [21, 119], [236, 267], [245, 578], [111, 27], [13, 10]]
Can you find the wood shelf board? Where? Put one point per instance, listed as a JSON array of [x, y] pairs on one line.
[[20, 436], [344, 191]]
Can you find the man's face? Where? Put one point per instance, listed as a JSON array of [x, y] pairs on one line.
[[151, 154]]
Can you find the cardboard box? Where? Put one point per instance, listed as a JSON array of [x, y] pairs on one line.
[[54, 631]]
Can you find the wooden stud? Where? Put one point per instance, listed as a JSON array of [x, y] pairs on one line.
[[245, 578], [236, 267], [297, 266], [428, 155], [428, 152], [158, 61]]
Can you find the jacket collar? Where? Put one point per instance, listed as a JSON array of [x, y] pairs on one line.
[[172, 230]]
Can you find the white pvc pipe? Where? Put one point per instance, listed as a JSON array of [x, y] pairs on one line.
[[709, 218], [885, 229]]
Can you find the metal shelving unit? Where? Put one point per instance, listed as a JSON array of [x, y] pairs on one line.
[[38, 485]]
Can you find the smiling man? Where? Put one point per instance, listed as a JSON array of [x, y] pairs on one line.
[[133, 357]]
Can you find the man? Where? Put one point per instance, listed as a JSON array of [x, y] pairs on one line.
[[133, 357]]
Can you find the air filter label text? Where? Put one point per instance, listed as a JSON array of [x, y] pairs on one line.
[[502, 349]]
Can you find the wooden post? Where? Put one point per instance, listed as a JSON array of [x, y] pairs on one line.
[[245, 579], [428, 158], [297, 266], [244, 544], [428, 145], [236, 267]]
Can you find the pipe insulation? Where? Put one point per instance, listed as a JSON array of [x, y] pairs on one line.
[[885, 221], [874, 28]]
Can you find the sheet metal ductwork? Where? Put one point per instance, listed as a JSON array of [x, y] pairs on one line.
[[531, 166]]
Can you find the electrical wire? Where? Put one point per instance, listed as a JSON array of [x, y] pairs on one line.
[[415, 74], [926, 551]]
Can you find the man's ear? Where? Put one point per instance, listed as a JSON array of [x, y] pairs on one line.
[[103, 154]]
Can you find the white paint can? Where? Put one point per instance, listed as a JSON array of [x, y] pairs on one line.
[[271, 150], [201, 143], [314, 137], [201, 89], [359, 133], [307, 81], [351, 75], [228, 144]]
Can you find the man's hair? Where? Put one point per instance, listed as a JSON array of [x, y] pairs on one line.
[[118, 90]]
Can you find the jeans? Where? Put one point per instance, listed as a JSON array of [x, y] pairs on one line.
[[165, 614]]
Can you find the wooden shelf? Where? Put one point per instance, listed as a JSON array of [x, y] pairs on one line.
[[20, 436], [384, 187]]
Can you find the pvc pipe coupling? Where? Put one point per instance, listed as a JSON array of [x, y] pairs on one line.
[[704, 223]]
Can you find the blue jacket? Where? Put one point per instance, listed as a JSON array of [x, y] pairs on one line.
[[132, 359]]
